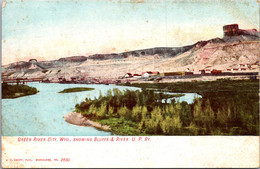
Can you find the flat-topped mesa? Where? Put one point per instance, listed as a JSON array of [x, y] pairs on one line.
[[233, 30], [73, 59]]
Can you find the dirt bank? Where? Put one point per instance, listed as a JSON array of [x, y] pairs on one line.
[[79, 120]]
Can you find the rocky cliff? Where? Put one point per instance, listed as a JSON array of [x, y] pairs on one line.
[[221, 53]]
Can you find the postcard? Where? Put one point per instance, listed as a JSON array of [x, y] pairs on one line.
[[130, 83]]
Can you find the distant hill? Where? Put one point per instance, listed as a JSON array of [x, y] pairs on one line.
[[236, 47]]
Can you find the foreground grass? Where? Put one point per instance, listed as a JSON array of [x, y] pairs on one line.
[[227, 108], [76, 89], [120, 126], [15, 91]]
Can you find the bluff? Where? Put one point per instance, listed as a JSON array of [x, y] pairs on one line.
[[236, 47]]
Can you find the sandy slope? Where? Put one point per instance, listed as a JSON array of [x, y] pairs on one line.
[[78, 119]]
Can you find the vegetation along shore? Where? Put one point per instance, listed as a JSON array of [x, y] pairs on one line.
[[227, 107], [76, 89], [15, 91]]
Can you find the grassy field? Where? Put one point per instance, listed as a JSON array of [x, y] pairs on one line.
[[15, 91], [76, 89]]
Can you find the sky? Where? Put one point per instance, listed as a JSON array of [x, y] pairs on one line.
[[51, 29]]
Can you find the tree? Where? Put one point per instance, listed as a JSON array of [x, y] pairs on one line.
[[102, 111], [93, 109], [144, 113], [137, 113], [100, 95], [197, 112], [185, 115], [109, 93], [124, 112], [208, 114], [110, 111]]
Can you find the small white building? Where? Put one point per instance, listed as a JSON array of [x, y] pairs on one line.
[[128, 75], [147, 74]]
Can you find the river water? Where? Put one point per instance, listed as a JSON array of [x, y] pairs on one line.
[[42, 114]]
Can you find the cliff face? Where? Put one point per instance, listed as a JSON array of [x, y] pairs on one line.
[[218, 53], [227, 53], [160, 51]]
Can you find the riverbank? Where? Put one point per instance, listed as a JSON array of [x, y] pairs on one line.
[[79, 120]]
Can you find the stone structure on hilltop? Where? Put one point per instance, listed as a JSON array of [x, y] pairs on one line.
[[231, 30]]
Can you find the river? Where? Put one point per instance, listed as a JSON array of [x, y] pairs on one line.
[[42, 114]]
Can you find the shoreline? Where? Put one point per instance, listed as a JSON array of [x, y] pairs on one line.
[[17, 95], [79, 120]]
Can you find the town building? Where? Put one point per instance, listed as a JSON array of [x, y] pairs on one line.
[[147, 74], [128, 75]]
